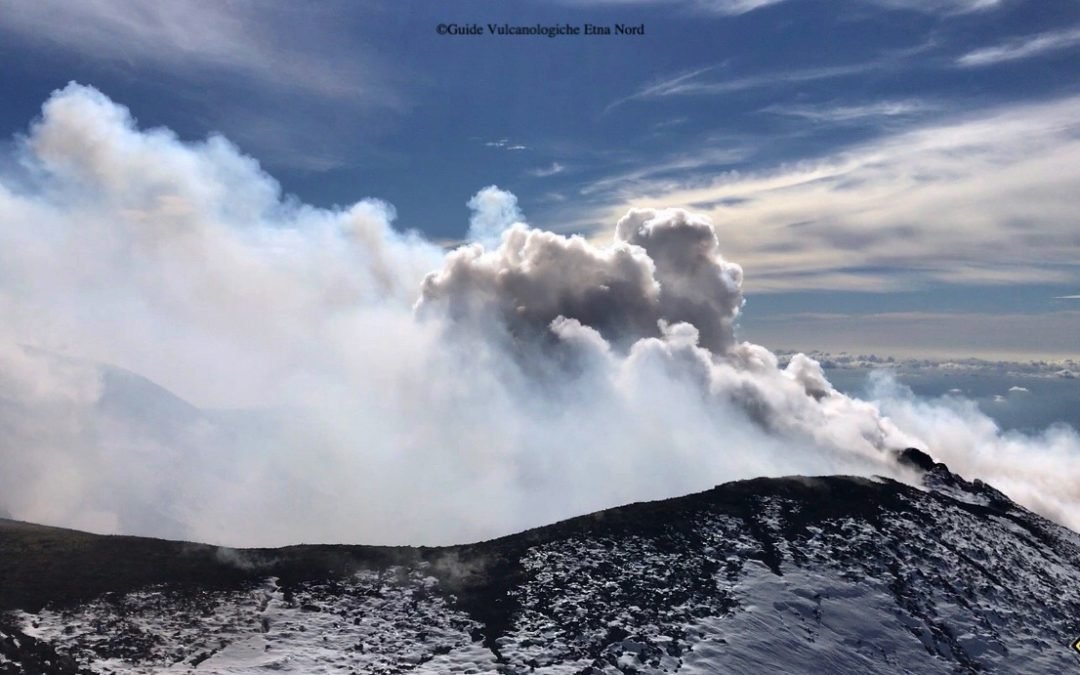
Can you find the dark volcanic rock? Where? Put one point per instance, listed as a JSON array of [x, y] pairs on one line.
[[835, 574], [916, 458]]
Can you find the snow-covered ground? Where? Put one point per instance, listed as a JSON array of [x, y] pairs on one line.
[[374, 621], [830, 575]]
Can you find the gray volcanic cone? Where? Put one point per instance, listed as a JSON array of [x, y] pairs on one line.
[[833, 574]]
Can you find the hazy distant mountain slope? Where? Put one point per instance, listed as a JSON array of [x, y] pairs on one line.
[[832, 574]]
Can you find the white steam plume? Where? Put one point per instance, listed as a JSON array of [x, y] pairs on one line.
[[337, 380], [494, 211]]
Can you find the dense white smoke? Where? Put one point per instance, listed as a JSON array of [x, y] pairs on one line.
[[494, 211], [1040, 471], [186, 353]]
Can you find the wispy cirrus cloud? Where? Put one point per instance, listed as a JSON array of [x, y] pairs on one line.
[[979, 200], [666, 172], [238, 39], [545, 171], [940, 6], [709, 80], [852, 113], [260, 53], [665, 86], [1021, 48], [720, 7], [504, 144], [738, 7], [691, 83]]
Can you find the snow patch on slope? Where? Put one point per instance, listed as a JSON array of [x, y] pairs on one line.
[[375, 621]]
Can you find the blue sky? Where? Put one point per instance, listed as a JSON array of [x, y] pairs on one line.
[[873, 164]]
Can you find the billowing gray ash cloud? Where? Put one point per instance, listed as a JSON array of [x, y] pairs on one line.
[[300, 374], [662, 267]]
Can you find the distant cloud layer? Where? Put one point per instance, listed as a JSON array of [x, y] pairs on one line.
[[989, 335], [338, 380]]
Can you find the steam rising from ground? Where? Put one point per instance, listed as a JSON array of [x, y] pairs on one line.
[[351, 383]]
